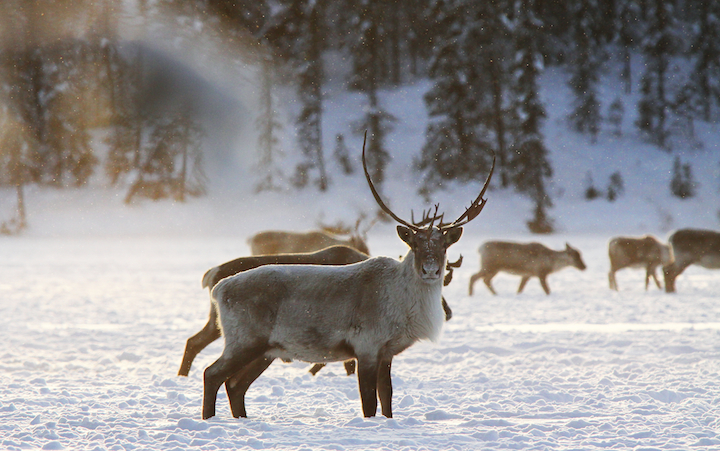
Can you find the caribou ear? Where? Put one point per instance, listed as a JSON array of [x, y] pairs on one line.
[[452, 236], [406, 235]]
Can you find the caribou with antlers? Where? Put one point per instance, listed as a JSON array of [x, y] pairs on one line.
[[333, 255], [369, 311]]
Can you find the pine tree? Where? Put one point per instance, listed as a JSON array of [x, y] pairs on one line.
[[491, 44], [125, 83], [658, 47], [172, 163], [69, 159], [269, 126], [531, 168], [587, 57], [703, 87], [456, 147], [591, 193], [14, 168], [296, 31], [615, 115], [365, 78], [616, 186], [25, 81], [683, 183], [342, 155], [309, 89], [628, 32]]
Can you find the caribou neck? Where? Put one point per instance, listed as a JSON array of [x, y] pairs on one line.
[[423, 302]]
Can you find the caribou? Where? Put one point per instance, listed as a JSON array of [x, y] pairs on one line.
[[523, 259], [333, 255], [692, 247], [645, 252], [283, 242], [369, 311]]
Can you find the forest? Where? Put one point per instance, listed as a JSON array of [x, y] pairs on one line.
[[68, 68]]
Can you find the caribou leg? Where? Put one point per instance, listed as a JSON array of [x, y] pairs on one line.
[[657, 282], [229, 363], [238, 384], [524, 281], [368, 383], [487, 278], [473, 279], [612, 281], [200, 341], [349, 367], [384, 386], [544, 284]]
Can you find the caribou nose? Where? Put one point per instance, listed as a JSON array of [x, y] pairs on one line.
[[430, 270]]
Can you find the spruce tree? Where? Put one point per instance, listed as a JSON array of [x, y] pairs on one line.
[[14, 167], [172, 160], [311, 77], [365, 77], [69, 159], [703, 86], [268, 125], [683, 183], [585, 66], [531, 168], [658, 47], [456, 147], [627, 34], [296, 31], [342, 155]]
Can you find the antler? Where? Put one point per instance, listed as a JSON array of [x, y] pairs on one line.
[[377, 196], [470, 213], [426, 217], [476, 207]]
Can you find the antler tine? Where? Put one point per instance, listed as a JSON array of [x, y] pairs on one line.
[[423, 221], [377, 196], [435, 216], [477, 205]]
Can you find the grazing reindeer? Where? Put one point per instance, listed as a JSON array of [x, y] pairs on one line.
[[334, 255], [692, 247], [280, 242], [369, 311], [646, 252], [526, 260]]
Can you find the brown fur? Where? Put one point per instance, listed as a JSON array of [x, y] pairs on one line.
[[523, 259], [645, 252], [692, 247]]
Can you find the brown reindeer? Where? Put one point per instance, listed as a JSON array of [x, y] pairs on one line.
[[692, 247], [526, 260], [283, 242], [369, 311], [645, 252]]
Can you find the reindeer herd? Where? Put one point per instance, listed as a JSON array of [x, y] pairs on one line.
[[316, 298], [686, 247]]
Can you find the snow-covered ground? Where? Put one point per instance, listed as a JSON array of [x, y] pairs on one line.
[[93, 330], [97, 299]]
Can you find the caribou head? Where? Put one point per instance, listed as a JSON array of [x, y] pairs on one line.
[[430, 237]]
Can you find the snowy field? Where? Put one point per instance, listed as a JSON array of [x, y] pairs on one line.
[[93, 331]]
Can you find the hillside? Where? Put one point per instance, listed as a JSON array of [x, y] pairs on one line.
[[231, 208]]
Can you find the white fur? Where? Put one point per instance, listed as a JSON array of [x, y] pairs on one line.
[[411, 308]]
